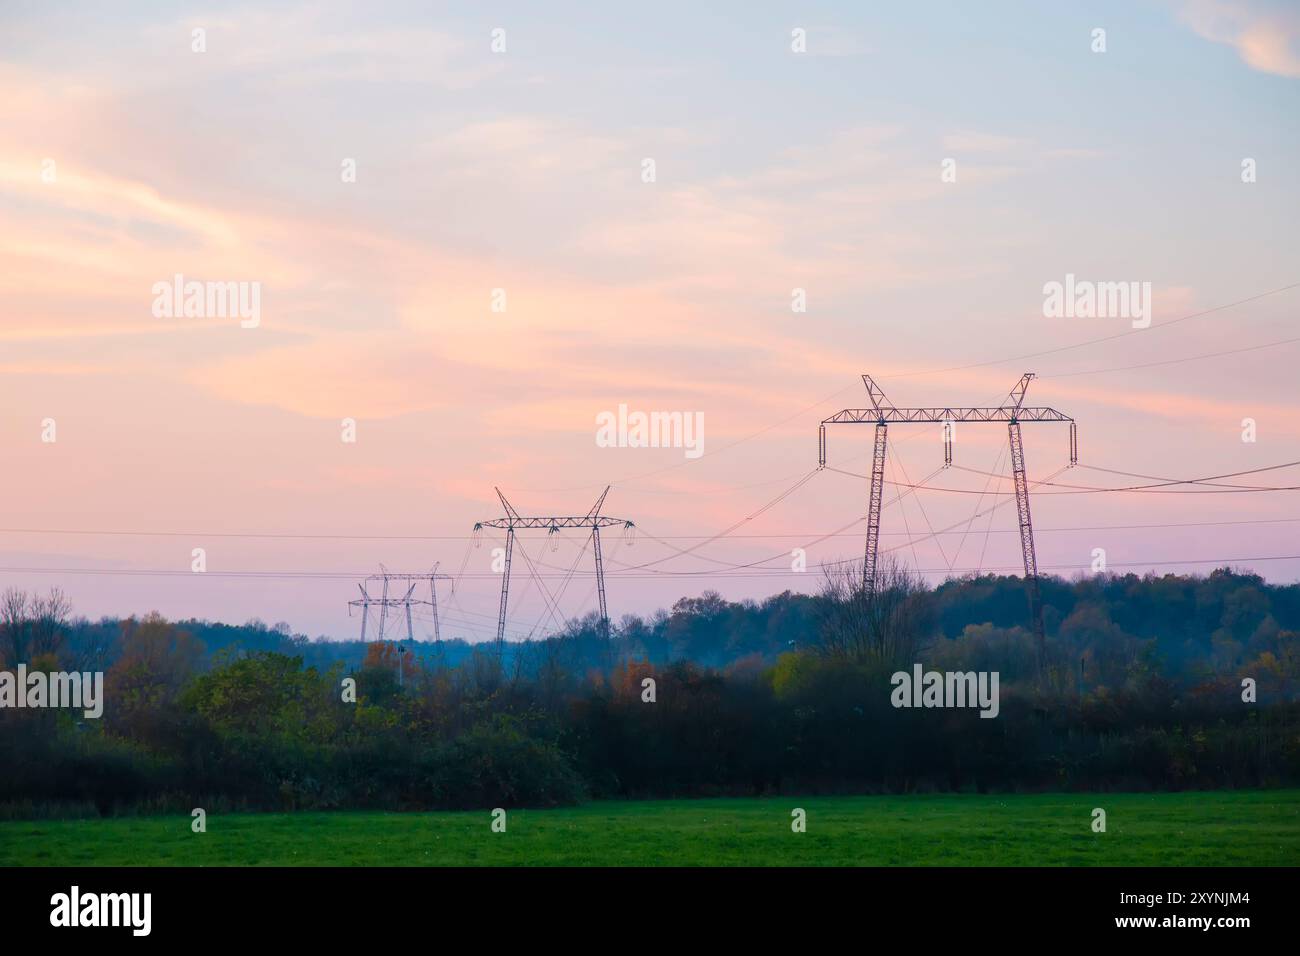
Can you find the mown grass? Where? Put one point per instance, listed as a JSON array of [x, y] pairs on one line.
[[1221, 828]]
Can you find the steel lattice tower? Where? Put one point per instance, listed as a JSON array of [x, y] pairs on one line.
[[883, 413], [593, 519], [406, 601]]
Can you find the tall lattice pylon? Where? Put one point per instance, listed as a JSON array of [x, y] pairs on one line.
[[1012, 411], [593, 519]]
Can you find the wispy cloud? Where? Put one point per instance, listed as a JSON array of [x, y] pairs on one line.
[[1265, 34]]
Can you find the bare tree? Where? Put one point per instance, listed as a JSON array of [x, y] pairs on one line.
[[32, 625], [13, 625], [887, 624], [49, 621]]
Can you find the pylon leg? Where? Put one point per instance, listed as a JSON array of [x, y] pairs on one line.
[[505, 594], [873, 508], [1027, 540], [600, 581], [433, 599]]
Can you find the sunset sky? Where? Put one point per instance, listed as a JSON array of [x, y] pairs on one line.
[[126, 158]]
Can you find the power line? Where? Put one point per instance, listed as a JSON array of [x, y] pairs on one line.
[[1159, 482], [631, 571], [623, 569], [1105, 338], [1177, 361], [722, 534], [1235, 474], [1156, 488], [792, 535], [770, 573]]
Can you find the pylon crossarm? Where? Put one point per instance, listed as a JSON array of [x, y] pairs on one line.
[[937, 415], [551, 523], [414, 576]]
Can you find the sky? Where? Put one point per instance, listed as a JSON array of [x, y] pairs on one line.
[[474, 228]]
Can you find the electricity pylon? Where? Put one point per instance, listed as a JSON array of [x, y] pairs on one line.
[[406, 601], [593, 519], [883, 413]]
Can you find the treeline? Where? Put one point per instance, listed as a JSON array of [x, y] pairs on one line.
[[1191, 627], [712, 697]]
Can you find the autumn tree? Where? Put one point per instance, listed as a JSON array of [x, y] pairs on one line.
[[155, 660]]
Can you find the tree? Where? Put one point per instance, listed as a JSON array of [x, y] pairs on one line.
[[13, 625], [156, 659], [32, 625], [889, 624], [49, 621]]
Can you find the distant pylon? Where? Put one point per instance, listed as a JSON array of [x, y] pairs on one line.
[[406, 601]]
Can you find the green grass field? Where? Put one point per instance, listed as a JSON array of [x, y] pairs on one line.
[[1221, 828]]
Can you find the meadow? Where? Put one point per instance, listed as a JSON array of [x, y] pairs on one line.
[[1218, 828]]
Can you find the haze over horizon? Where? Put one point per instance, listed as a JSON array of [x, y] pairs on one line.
[[524, 170]]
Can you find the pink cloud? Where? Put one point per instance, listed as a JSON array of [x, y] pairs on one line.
[[1265, 35]]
